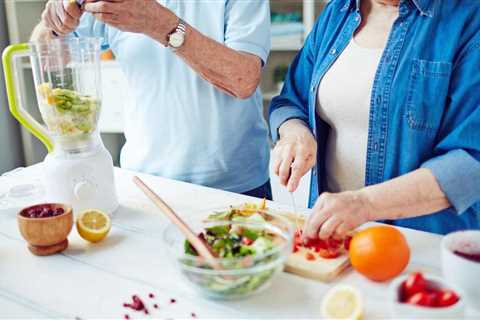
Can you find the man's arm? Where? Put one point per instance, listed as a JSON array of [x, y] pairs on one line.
[[234, 72]]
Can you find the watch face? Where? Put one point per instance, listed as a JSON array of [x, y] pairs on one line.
[[176, 39]]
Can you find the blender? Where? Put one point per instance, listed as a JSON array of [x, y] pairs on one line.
[[78, 169]]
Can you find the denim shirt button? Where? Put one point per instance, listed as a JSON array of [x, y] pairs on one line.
[[333, 52], [357, 18], [375, 146], [379, 99]]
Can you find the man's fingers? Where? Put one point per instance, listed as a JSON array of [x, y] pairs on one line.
[[328, 228], [106, 17], [73, 10], [100, 7], [58, 24], [70, 22]]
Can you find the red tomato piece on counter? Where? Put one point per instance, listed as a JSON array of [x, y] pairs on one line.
[[424, 299], [446, 298], [415, 283]]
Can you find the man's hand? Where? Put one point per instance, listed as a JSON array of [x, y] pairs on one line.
[[294, 154], [336, 214], [61, 17], [139, 16]]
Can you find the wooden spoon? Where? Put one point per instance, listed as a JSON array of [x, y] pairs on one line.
[[202, 248]]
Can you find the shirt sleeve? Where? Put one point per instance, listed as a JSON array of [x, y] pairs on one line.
[[292, 103], [457, 166], [247, 27]]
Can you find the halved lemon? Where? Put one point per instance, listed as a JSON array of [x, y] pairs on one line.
[[342, 302], [93, 225]]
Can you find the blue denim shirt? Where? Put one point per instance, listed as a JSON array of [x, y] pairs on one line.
[[425, 105]]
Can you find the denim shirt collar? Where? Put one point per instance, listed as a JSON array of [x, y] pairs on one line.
[[425, 7]]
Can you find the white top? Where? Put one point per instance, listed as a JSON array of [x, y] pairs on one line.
[[344, 103]]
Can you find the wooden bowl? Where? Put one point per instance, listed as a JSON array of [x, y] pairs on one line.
[[46, 235]]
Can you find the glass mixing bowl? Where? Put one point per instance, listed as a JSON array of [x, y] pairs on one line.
[[239, 277]]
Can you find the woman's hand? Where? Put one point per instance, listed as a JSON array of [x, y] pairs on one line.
[[61, 17], [294, 154], [336, 214]]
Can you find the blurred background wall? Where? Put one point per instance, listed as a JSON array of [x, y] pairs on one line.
[[11, 152]]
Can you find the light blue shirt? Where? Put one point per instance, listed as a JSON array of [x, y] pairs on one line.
[[181, 126]]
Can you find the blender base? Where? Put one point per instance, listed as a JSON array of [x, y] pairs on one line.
[[48, 250], [84, 180]]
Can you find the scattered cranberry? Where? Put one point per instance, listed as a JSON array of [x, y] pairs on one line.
[[193, 315], [151, 295], [173, 300], [137, 304], [155, 306], [126, 317]]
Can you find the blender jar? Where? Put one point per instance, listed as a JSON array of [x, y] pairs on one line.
[[67, 79]]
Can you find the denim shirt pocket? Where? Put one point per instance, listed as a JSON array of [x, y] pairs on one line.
[[427, 94]]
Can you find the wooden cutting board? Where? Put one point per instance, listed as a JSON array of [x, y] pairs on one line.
[[319, 269]]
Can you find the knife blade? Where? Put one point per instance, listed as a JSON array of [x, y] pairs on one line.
[[294, 205]]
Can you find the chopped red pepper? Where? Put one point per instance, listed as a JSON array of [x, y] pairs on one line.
[[328, 249]]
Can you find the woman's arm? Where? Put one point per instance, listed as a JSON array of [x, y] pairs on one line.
[[414, 194], [232, 71]]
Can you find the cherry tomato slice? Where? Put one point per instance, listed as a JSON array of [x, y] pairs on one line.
[[246, 241], [415, 283], [446, 298], [424, 299]]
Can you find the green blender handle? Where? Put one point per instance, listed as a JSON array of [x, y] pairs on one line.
[[10, 54]]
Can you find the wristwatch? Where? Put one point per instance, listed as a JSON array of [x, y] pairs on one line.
[[177, 38]]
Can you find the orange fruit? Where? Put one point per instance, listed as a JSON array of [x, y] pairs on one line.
[[379, 253]]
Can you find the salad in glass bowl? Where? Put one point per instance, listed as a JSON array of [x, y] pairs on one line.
[[250, 253], [66, 112]]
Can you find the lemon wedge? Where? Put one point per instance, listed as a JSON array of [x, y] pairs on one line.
[[342, 302], [93, 225]]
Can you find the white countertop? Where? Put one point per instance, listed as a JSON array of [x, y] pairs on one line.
[[93, 280]]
